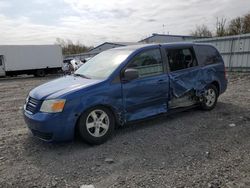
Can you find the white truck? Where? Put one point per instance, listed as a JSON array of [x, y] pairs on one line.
[[38, 60]]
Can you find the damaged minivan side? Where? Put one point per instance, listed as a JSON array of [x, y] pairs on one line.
[[126, 84]]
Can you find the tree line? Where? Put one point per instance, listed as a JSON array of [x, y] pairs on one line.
[[69, 47], [236, 26]]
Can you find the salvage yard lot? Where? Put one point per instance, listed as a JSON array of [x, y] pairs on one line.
[[189, 149]]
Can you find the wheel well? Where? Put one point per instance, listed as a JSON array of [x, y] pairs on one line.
[[216, 84], [105, 106]]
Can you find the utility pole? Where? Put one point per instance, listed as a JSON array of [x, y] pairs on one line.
[[163, 27], [240, 45]]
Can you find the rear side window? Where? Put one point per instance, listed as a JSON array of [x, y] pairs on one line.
[[207, 55], [179, 59], [148, 63], [1, 60]]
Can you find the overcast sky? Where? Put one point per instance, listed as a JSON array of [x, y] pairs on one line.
[[95, 21]]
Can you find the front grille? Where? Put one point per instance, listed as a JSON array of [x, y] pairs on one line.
[[32, 105], [42, 135]]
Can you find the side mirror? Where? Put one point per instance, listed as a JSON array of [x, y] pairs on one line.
[[130, 74]]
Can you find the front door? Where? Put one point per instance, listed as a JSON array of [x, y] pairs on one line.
[[147, 95], [2, 71]]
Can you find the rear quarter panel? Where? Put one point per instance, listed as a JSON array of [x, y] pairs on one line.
[[212, 72]]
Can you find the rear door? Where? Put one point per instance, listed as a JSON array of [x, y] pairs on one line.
[[183, 71], [2, 70], [147, 95]]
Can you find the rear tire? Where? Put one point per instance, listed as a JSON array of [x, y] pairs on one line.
[[96, 125], [210, 97], [40, 73]]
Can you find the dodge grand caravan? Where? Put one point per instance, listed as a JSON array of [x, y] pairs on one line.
[[123, 85]]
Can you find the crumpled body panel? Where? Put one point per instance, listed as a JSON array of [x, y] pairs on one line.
[[183, 82]]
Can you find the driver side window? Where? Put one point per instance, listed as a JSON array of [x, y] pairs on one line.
[[148, 63]]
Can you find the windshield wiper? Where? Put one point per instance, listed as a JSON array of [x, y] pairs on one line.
[[81, 75]]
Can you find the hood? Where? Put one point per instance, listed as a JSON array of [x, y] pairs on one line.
[[61, 86]]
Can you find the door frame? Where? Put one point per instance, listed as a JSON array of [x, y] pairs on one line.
[[163, 57], [181, 71], [187, 46], [164, 66]]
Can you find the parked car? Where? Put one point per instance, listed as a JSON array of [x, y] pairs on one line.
[[86, 59], [70, 65], [123, 85]]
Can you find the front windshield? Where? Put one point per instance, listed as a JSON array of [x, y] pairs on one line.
[[102, 65]]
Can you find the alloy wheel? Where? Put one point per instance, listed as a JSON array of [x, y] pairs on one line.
[[97, 123], [210, 97]]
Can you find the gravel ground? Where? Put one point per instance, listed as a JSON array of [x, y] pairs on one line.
[[188, 149]]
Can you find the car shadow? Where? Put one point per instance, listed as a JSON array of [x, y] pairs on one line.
[[27, 77], [164, 139], [223, 110]]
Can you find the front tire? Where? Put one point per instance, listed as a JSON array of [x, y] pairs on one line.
[[96, 125], [210, 97]]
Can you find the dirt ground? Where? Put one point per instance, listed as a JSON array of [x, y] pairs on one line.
[[188, 149]]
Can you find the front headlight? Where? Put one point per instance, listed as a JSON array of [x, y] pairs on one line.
[[53, 106]]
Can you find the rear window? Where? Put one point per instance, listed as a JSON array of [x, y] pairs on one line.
[[207, 55], [1, 60]]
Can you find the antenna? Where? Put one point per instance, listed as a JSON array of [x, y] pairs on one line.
[[163, 27]]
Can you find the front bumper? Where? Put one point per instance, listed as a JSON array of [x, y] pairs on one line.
[[50, 127]]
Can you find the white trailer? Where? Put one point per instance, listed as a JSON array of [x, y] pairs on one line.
[[30, 59]]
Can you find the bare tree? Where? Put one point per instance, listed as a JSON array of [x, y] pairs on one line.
[[221, 27], [202, 31], [69, 47], [236, 26], [239, 25], [246, 23]]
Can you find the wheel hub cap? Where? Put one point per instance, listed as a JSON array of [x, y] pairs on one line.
[[210, 97], [97, 123]]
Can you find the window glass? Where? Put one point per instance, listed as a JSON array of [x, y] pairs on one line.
[[104, 64], [148, 63], [181, 59], [207, 55], [1, 60]]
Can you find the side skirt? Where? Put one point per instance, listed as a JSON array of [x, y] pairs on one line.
[[170, 112]]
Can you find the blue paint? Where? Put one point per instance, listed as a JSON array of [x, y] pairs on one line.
[[134, 100]]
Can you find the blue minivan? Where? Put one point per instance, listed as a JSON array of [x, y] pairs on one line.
[[125, 84]]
